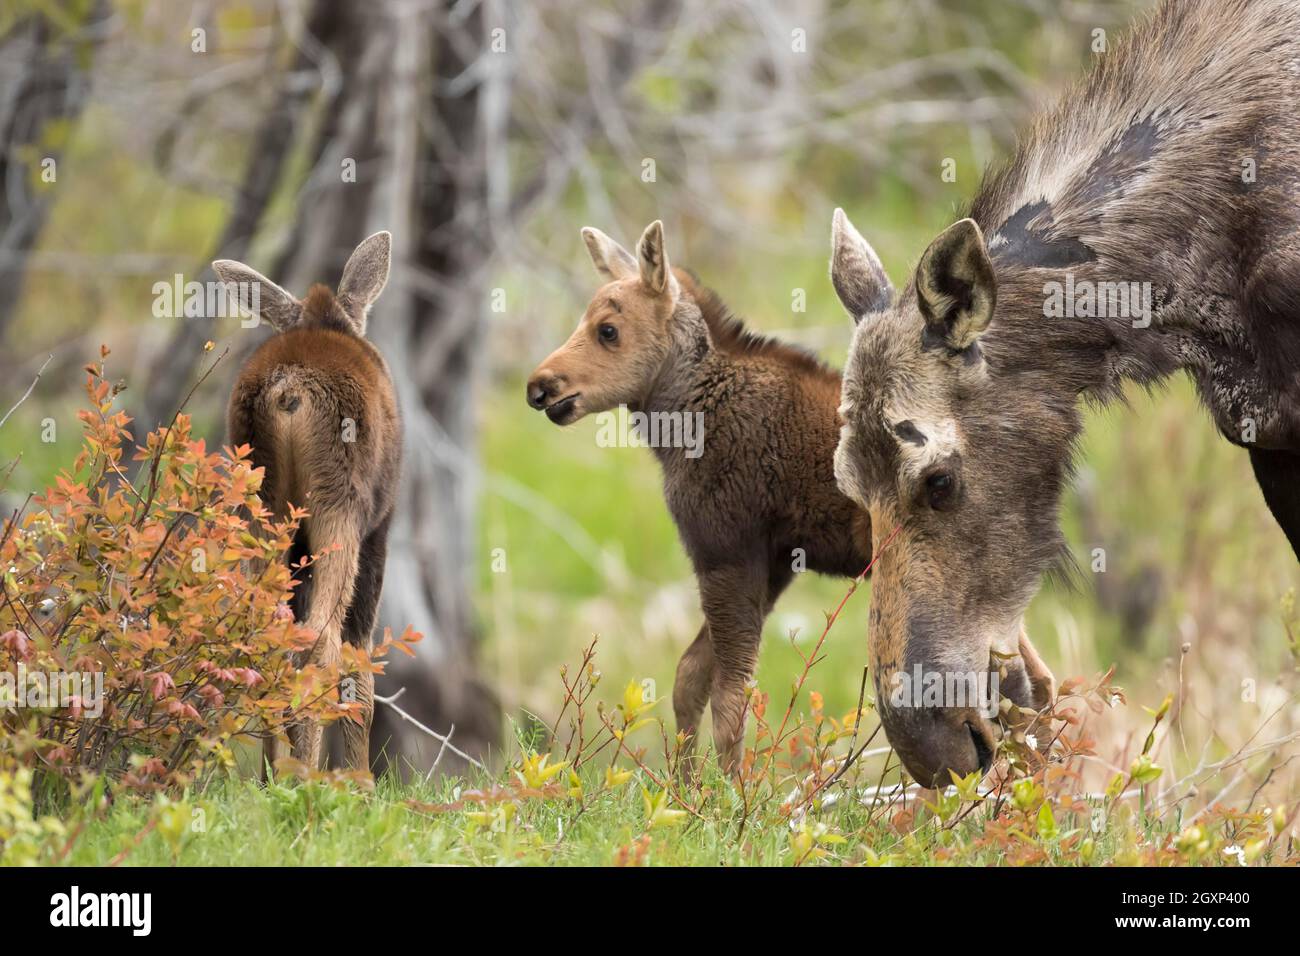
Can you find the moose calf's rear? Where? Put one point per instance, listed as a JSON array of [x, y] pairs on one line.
[[317, 405]]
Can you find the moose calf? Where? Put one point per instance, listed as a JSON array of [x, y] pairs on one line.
[[317, 405], [757, 497]]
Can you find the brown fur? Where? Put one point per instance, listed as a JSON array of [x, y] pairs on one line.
[[1135, 177], [763, 484], [317, 405]]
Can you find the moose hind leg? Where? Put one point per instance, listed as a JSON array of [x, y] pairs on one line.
[[358, 629], [1278, 474], [333, 579], [691, 689]]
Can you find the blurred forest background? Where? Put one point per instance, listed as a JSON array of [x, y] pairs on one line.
[[140, 140]]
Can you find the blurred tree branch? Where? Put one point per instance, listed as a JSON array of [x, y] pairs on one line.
[[44, 83]]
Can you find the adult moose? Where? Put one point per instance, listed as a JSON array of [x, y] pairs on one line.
[[1164, 193], [317, 405]]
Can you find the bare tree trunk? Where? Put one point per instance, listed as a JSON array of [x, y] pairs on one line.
[[44, 80], [436, 161]]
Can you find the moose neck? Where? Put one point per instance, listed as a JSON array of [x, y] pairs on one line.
[[674, 402], [689, 350], [1088, 325]]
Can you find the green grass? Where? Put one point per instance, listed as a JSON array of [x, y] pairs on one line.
[[321, 824]]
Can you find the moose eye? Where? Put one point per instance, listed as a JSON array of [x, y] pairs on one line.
[[938, 489], [608, 334]]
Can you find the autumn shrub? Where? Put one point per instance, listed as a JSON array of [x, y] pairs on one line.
[[145, 626]]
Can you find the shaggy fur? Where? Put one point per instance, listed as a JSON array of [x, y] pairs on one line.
[[760, 498], [317, 405], [1176, 164]]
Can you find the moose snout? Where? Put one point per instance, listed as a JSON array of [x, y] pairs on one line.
[[940, 718], [935, 742], [553, 394], [542, 386]]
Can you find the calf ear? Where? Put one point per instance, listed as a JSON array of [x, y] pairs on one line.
[[611, 260], [652, 257], [258, 295], [956, 288], [366, 274], [856, 272]]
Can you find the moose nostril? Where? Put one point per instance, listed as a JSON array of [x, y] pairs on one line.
[[536, 394]]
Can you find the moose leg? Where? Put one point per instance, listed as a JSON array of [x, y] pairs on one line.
[[735, 603], [1278, 474], [333, 578], [358, 629], [272, 750], [1042, 685], [691, 691]]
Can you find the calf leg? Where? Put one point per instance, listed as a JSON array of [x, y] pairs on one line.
[[333, 580], [735, 604], [358, 629], [691, 690], [1278, 474]]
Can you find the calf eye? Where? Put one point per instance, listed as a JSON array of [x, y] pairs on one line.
[[608, 334], [938, 489]]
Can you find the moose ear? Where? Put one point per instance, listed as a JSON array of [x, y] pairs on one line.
[[611, 260], [652, 258], [956, 288], [856, 272], [258, 295], [366, 273]]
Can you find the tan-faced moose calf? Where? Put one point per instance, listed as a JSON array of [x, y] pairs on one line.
[[316, 403], [760, 491], [1165, 192]]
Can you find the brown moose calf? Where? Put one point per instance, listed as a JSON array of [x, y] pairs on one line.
[[754, 497], [316, 403]]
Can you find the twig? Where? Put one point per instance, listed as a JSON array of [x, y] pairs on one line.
[[441, 750], [445, 739], [27, 394]]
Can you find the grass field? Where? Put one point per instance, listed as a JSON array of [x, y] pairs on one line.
[[317, 825]]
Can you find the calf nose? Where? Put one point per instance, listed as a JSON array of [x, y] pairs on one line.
[[541, 387]]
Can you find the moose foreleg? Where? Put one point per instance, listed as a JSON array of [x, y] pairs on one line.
[[1278, 474]]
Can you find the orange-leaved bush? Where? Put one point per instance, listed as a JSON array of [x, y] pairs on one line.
[[145, 626]]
